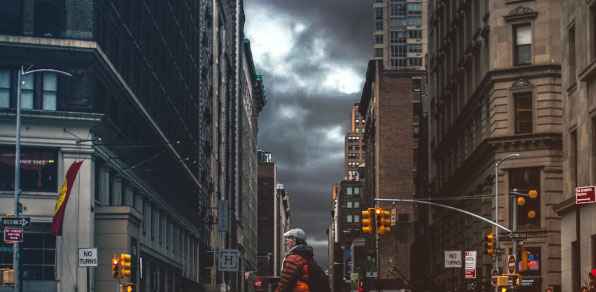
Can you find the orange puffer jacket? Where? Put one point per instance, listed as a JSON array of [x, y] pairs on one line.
[[294, 275]]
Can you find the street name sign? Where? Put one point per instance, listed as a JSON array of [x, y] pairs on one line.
[[470, 264], [511, 264], [228, 260], [12, 234], [517, 235], [585, 195], [87, 257], [16, 222], [453, 259], [499, 251]]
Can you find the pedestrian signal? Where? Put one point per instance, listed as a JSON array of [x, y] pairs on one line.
[[367, 221], [489, 244], [125, 265]]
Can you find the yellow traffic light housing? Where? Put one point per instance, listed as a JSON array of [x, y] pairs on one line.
[[489, 244], [125, 265], [367, 226], [116, 267], [385, 222], [524, 260]]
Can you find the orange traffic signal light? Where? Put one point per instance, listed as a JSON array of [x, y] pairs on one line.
[[489, 244], [385, 222], [367, 221], [125, 265], [116, 267]]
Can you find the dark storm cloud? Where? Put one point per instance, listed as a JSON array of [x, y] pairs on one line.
[[313, 68]]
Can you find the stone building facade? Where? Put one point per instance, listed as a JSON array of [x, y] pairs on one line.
[[353, 146], [495, 90], [578, 51]]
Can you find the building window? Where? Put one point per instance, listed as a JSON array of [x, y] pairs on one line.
[[4, 88], [38, 169], [349, 205], [573, 167], [378, 39], [415, 34], [39, 253], [357, 130], [48, 18], [349, 218], [397, 22], [417, 108], [356, 218], [27, 85], [379, 25], [523, 113], [523, 44], [349, 191], [416, 132], [415, 8], [356, 191], [524, 180], [49, 93], [571, 55], [356, 205], [11, 16], [414, 48], [379, 18], [415, 20], [414, 62], [378, 52]]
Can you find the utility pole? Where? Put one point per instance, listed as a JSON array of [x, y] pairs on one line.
[[17, 171]]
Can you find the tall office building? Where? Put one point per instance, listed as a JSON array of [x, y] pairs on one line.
[[400, 33], [495, 91], [152, 80], [353, 146]]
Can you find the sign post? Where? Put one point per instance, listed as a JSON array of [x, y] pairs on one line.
[[470, 264], [585, 195], [88, 258]]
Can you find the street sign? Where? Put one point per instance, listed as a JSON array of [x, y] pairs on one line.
[[499, 251], [16, 222], [12, 234], [453, 259], [585, 195], [494, 274], [517, 235], [470, 264], [227, 260], [511, 264], [87, 257]]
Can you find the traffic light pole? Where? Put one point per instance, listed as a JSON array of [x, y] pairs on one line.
[[447, 207]]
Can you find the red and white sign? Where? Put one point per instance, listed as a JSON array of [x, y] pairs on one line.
[[494, 274], [584, 195], [13, 234], [259, 284], [470, 264], [511, 264]]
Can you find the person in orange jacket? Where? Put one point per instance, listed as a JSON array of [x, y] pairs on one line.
[[294, 273]]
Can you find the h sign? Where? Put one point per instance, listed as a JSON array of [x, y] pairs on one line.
[[228, 260]]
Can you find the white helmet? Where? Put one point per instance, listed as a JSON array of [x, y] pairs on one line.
[[296, 233]]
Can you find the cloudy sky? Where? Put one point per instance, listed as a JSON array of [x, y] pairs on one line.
[[313, 56]]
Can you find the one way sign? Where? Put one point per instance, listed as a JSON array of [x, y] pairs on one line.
[[16, 222]]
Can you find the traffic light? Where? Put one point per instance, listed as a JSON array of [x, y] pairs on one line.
[[116, 267], [516, 280], [489, 244], [533, 194], [385, 223], [125, 265], [367, 221], [378, 218], [524, 260]]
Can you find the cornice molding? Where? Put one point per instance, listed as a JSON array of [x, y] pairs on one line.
[[521, 12]]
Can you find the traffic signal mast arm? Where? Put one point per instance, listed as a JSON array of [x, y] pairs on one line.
[[448, 207]]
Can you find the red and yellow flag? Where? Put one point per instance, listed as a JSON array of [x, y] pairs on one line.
[[71, 174]]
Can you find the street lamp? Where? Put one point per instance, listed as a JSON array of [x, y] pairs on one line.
[[497, 164], [17, 168]]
